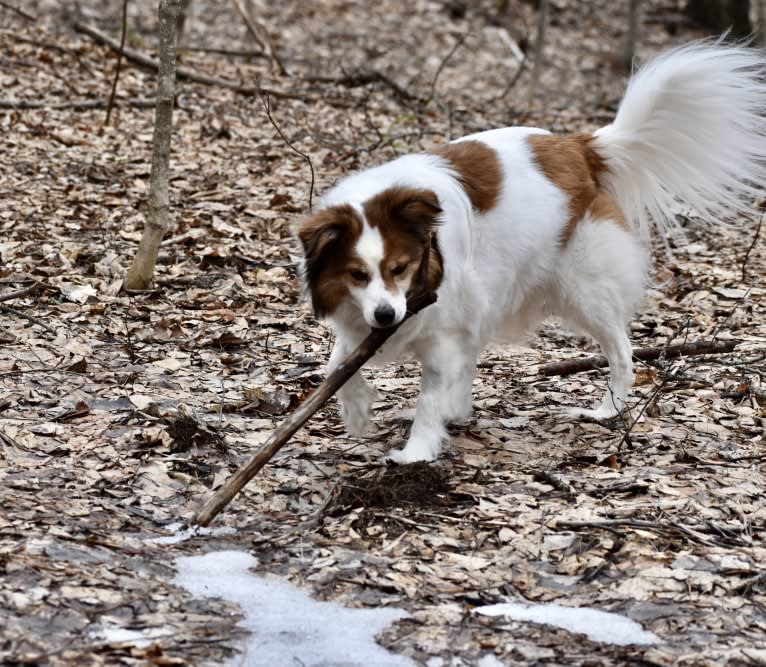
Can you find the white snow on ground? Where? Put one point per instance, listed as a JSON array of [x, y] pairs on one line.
[[597, 625], [114, 634], [181, 535], [287, 626]]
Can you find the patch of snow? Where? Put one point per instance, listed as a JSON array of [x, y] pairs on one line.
[[489, 660], [181, 535], [287, 626], [597, 625], [114, 634]]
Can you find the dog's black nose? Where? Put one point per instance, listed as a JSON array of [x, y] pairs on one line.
[[384, 315]]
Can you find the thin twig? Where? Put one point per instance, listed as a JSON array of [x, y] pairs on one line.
[[629, 427], [365, 76], [748, 584], [514, 80], [754, 241], [547, 477], [31, 318], [264, 42], [238, 53], [640, 524], [444, 62], [119, 61], [22, 292], [643, 354], [20, 12], [267, 108], [77, 105], [185, 72]]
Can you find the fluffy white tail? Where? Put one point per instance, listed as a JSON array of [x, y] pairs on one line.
[[691, 127]]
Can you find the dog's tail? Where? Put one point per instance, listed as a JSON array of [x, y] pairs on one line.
[[691, 127]]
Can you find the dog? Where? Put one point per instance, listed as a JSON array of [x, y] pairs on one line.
[[522, 224]]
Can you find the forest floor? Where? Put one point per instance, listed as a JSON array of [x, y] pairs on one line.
[[120, 413]]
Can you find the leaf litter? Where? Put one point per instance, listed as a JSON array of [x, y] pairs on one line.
[[119, 414]]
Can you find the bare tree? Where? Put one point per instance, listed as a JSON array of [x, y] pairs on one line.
[[760, 18], [721, 15], [183, 14], [141, 271], [259, 33], [631, 36], [542, 23]]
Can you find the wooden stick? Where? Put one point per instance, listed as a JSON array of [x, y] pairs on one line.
[[184, 72], [643, 353], [119, 61], [422, 298], [8, 296], [77, 105]]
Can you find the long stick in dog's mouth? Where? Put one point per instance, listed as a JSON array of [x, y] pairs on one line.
[[418, 299]]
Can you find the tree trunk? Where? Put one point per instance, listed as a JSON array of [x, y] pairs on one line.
[[760, 13], [631, 36], [183, 13], [718, 16], [534, 84], [141, 271]]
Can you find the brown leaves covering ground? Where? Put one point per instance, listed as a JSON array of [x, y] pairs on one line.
[[119, 413]]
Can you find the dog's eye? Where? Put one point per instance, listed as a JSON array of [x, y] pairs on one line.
[[399, 269], [359, 275]]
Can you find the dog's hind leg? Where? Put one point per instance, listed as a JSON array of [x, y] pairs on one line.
[[600, 282], [615, 344]]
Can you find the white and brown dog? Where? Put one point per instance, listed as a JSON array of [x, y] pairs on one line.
[[525, 224]]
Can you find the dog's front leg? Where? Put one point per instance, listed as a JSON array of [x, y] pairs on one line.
[[448, 370], [356, 395]]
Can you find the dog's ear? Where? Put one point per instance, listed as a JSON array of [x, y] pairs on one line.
[[324, 229], [411, 210], [419, 207]]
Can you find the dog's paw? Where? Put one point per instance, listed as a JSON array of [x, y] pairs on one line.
[[357, 411], [414, 451]]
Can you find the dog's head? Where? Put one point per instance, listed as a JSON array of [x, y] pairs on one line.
[[370, 255]]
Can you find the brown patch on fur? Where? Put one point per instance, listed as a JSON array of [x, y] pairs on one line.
[[406, 217], [479, 171], [573, 165], [328, 238], [605, 208]]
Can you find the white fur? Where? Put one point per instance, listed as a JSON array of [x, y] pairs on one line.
[[689, 127], [369, 248]]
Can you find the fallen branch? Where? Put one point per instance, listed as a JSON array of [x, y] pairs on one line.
[[19, 11], [183, 72], [747, 585], [34, 320], [615, 525], [642, 354], [24, 291], [420, 299], [365, 76], [77, 105]]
